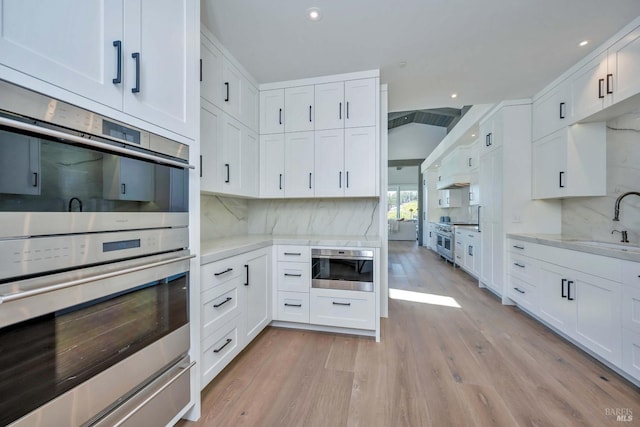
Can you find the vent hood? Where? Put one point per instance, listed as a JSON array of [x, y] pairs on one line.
[[454, 181]]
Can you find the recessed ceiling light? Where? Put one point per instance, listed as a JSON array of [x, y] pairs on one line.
[[473, 135], [313, 14], [454, 95], [402, 64], [584, 42]]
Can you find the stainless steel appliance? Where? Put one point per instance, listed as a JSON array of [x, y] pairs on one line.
[[444, 241], [94, 268], [342, 269]]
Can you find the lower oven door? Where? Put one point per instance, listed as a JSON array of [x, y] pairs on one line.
[[331, 271], [75, 346]]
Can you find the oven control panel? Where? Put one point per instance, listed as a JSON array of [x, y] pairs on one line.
[[44, 254]]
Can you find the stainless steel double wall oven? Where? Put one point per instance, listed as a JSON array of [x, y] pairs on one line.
[[94, 268]]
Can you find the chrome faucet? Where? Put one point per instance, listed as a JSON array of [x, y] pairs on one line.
[[618, 200], [625, 237]]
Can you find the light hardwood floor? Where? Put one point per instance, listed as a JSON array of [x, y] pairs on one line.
[[483, 364]]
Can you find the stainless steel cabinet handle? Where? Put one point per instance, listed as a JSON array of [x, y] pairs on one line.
[[222, 303], [218, 350]]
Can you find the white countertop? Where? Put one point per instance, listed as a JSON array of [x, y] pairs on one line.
[[214, 250], [631, 253]]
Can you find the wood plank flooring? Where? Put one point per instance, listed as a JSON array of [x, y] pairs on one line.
[[483, 364]]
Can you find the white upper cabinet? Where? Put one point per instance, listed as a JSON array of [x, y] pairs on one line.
[[330, 107], [230, 156], [298, 102], [211, 72], [210, 144], [250, 105], [588, 89], [271, 111], [133, 56], [232, 82], [272, 165], [360, 162], [330, 177], [360, 99], [550, 111], [624, 58], [299, 164], [48, 41]]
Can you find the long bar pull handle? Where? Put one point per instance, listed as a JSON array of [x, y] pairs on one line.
[[222, 303], [609, 83], [309, 113], [280, 185], [47, 289], [518, 290], [600, 89], [123, 188], [562, 110], [35, 179], [136, 57], [153, 395], [347, 179], [560, 182], [293, 253], [569, 283], [292, 275], [246, 266], [226, 165], [347, 109], [118, 45], [286, 304], [518, 265], [223, 272], [227, 86], [200, 166], [280, 116], [562, 286], [341, 303], [89, 142], [309, 180], [218, 350], [340, 179], [340, 111], [200, 69], [519, 247], [479, 223]]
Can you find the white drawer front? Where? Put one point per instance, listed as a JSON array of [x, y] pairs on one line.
[[524, 268], [347, 309], [292, 253], [523, 293], [293, 307], [220, 349], [219, 305], [294, 276], [631, 308], [631, 352], [519, 247], [631, 273], [218, 272]]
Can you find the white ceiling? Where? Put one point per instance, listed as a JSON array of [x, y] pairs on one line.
[[486, 51]]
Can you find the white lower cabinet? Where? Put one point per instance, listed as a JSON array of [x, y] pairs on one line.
[[220, 348], [293, 307], [346, 309], [631, 352], [219, 305], [258, 292]]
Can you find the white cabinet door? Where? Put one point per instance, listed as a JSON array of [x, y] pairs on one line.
[[272, 111], [624, 67], [298, 164], [160, 32], [258, 288], [127, 179], [210, 144], [49, 41], [587, 88], [360, 162], [211, 73], [232, 81], [554, 305], [550, 111], [250, 163], [549, 166], [250, 105], [230, 172], [329, 103], [360, 99], [329, 159], [598, 316], [474, 189], [19, 164], [272, 165], [298, 104]]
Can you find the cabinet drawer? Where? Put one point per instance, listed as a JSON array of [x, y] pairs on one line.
[[219, 272], [631, 308], [523, 293], [631, 352], [519, 247], [293, 307], [523, 268], [346, 309], [631, 273], [293, 276], [293, 253], [220, 349], [219, 305]]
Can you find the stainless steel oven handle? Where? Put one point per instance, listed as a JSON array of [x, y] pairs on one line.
[[40, 291], [154, 394], [90, 142]]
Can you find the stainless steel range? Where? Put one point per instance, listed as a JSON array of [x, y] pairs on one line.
[[444, 240], [94, 268]]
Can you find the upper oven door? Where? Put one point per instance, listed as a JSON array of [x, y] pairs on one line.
[[75, 185]]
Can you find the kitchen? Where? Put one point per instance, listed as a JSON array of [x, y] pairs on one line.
[[260, 214]]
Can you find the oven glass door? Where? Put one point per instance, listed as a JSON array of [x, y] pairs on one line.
[[349, 274], [446, 243], [43, 357], [439, 240]]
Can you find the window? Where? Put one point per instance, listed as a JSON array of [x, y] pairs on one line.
[[402, 203]]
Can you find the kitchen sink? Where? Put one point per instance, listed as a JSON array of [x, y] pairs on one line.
[[618, 246]]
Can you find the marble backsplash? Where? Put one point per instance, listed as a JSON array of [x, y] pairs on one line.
[[325, 217], [591, 217], [222, 217]]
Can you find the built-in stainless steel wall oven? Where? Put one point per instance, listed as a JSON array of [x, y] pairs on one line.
[[347, 269], [94, 268]]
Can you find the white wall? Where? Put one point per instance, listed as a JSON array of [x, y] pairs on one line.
[[414, 141], [407, 175]]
